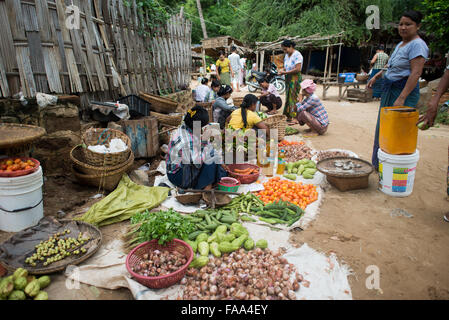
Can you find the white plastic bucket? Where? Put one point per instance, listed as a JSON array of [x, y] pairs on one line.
[[397, 173], [21, 202]]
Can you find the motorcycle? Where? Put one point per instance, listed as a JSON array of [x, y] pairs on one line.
[[272, 76]]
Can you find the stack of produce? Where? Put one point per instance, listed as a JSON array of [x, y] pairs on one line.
[[57, 248], [297, 152], [297, 193], [221, 241], [279, 212], [259, 274], [17, 164], [244, 203], [160, 263], [330, 154], [284, 143], [162, 225], [20, 286], [306, 168], [290, 131]]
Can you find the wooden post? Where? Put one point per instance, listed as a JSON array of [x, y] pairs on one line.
[[308, 62], [338, 65], [257, 59], [200, 13], [203, 52], [325, 66], [330, 63], [262, 59]]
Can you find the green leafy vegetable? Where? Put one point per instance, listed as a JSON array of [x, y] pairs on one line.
[[163, 225]]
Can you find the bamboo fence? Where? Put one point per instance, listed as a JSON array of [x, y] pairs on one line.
[[111, 54]]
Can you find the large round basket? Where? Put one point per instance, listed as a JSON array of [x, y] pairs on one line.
[[345, 180], [168, 119], [99, 136], [278, 122], [362, 77], [237, 101], [87, 229], [243, 178], [13, 135], [104, 180], [136, 256], [79, 162]]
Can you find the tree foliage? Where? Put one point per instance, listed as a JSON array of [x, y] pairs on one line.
[[436, 17], [268, 20]]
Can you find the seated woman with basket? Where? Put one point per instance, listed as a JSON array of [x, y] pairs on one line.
[[192, 164], [246, 117]]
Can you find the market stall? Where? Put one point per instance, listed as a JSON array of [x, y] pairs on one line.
[[237, 234]]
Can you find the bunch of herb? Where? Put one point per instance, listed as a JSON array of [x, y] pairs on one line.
[[162, 225]]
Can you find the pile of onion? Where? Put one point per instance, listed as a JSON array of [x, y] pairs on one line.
[[259, 274]]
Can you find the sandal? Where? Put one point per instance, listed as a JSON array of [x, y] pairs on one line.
[[446, 217]]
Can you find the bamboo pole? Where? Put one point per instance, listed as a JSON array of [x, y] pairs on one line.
[[325, 66], [338, 65]]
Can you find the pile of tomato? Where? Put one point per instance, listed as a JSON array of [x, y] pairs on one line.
[[17, 164], [284, 143], [294, 192]]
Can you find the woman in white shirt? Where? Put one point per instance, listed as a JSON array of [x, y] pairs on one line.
[[293, 61], [202, 90]]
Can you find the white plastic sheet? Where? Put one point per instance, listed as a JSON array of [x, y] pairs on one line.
[[327, 277]]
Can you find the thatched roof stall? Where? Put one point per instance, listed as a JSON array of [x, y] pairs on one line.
[[311, 42], [212, 46]]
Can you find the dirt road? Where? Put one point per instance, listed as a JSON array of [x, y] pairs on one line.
[[411, 253]]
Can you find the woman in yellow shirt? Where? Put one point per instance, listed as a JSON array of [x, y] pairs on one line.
[[224, 69], [246, 117]]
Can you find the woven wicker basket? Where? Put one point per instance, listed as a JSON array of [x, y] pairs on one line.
[[14, 135], [208, 107], [104, 180], [170, 120], [237, 101], [136, 256], [279, 122], [94, 136], [79, 162], [362, 77]]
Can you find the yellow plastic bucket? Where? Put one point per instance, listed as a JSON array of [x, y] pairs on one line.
[[398, 133]]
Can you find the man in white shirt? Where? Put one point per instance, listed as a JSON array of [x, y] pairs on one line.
[[235, 69], [242, 71]]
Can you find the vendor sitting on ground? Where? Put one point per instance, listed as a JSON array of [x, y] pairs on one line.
[[202, 90], [211, 96], [191, 164], [310, 110], [246, 117], [270, 97], [221, 109]]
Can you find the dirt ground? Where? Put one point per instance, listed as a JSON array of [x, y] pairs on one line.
[[409, 252]]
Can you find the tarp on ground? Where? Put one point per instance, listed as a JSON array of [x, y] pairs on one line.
[[126, 200], [327, 276]]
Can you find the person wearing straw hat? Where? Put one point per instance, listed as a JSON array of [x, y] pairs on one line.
[[310, 110]]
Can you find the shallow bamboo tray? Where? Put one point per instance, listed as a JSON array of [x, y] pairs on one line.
[[13, 135]]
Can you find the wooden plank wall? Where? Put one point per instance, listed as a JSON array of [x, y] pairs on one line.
[[107, 57]]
